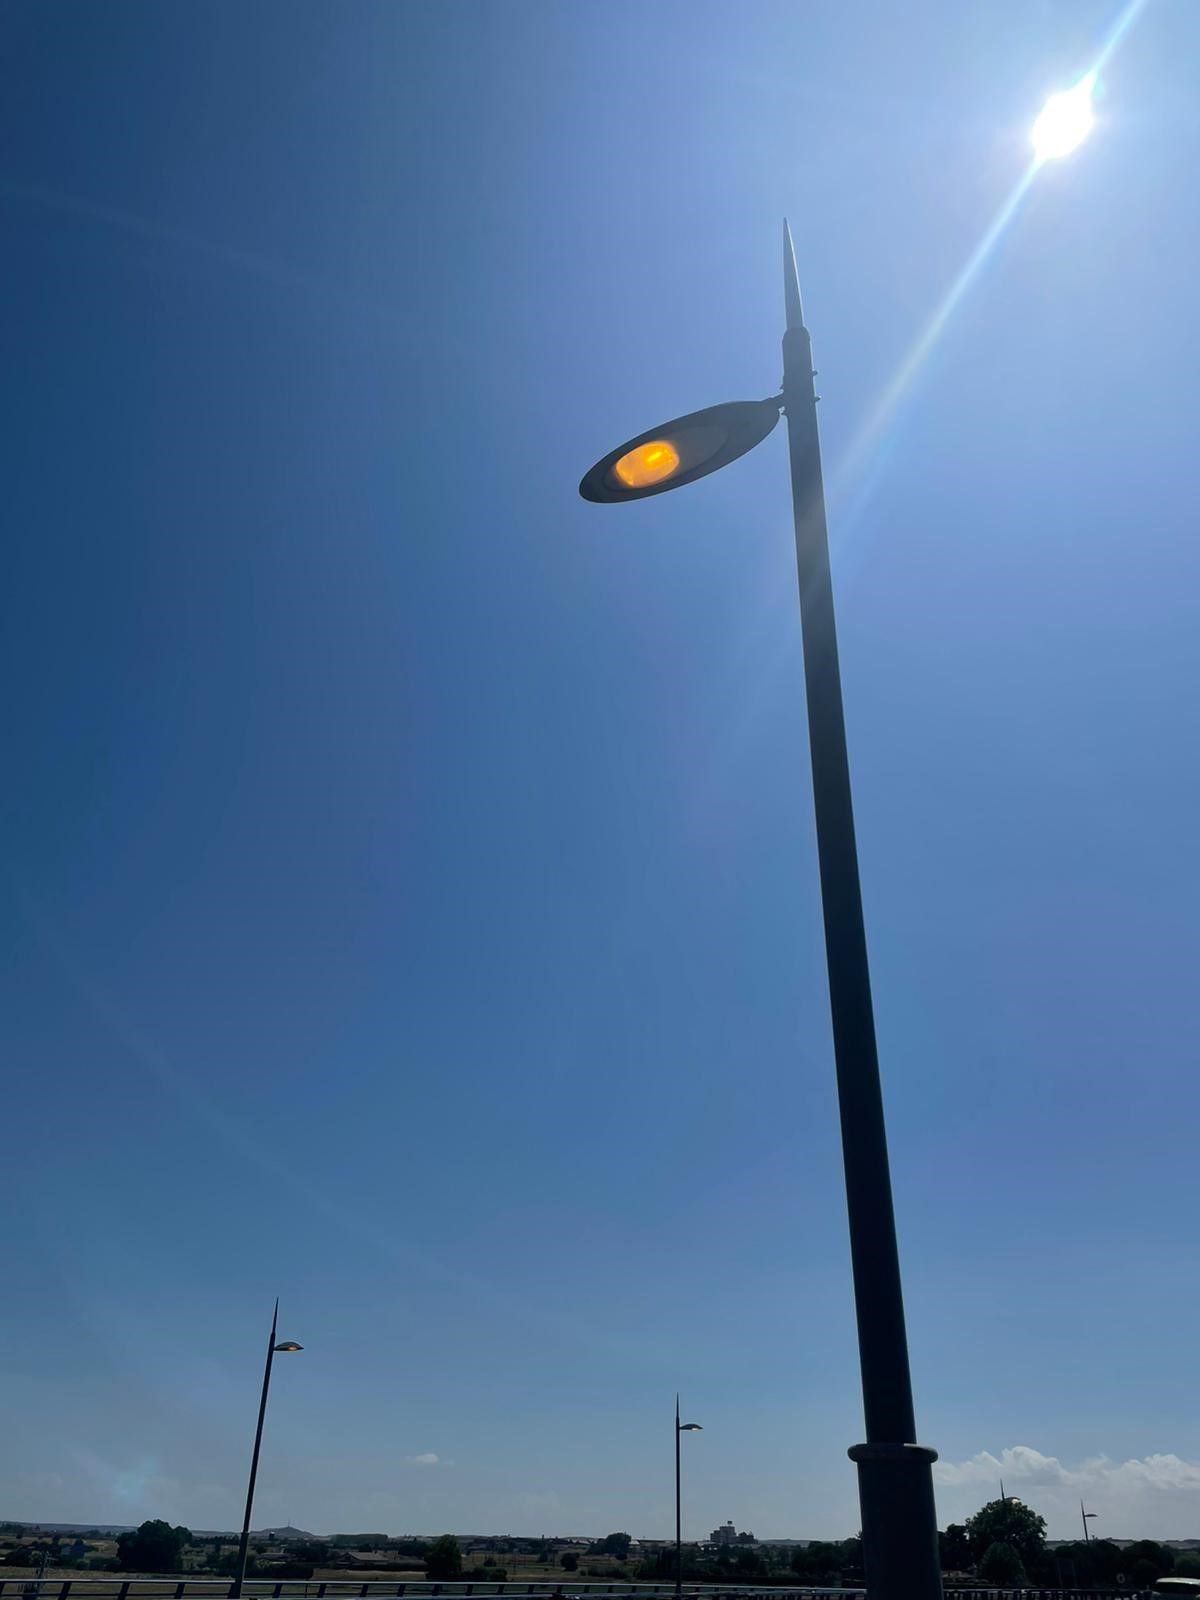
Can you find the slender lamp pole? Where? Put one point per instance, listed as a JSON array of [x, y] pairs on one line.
[[894, 1473], [895, 1477], [1086, 1517], [243, 1547], [680, 1427]]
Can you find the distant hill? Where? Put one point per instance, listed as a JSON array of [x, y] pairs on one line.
[[282, 1533], [1122, 1544], [288, 1534], [110, 1530]]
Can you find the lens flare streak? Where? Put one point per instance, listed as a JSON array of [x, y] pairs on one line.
[[862, 461]]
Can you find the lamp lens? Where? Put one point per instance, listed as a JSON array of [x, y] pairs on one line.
[[647, 464]]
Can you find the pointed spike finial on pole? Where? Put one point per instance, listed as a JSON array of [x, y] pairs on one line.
[[791, 282]]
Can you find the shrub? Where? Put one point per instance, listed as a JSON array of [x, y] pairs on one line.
[[443, 1559], [1002, 1565]]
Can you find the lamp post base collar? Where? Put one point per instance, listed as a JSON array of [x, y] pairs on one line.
[[916, 1453]]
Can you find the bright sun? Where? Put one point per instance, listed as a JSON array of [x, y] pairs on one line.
[[1065, 121]]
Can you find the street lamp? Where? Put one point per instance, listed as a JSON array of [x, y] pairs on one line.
[[1086, 1517], [680, 1427], [285, 1347], [899, 1522], [680, 451]]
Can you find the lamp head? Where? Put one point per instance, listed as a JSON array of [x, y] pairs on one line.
[[680, 451]]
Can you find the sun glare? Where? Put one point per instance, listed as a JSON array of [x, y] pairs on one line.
[[1065, 121]]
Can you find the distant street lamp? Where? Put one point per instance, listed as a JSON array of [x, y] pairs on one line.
[[899, 1522], [680, 1427], [285, 1347], [1086, 1517]]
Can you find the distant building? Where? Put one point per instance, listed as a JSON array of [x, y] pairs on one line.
[[727, 1535]]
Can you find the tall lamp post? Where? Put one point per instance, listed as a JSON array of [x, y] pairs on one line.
[[900, 1545], [1086, 1517], [286, 1346], [680, 1427]]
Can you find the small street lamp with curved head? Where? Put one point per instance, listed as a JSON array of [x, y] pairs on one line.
[[680, 1427], [274, 1346], [680, 451]]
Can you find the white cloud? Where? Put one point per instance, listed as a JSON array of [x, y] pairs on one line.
[[1019, 1463], [428, 1459], [1153, 1497], [1158, 1472]]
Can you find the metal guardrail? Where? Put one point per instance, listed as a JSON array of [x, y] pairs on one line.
[[96, 1588]]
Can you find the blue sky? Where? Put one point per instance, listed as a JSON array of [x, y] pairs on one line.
[[409, 898]]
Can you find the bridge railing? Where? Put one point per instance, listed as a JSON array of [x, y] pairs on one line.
[[91, 1588], [116, 1588]]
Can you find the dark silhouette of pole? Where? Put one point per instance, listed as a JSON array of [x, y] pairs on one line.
[[899, 1521], [244, 1546], [1086, 1516], [680, 1427], [678, 1510]]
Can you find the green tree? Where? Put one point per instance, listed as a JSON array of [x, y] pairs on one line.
[[443, 1559], [1007, 1521], [569, 1561], [1187, 1566], [955, 1549], [1149, 1554], [154, 1547], [19, 1556], [227, 1565], [313, 1550], [657, 1566], [1002, 1565], [1071, 1561], [820, 1562], [1107, 1560], [1142, 1574], [852, 1559], [1093, 1564], [614, 1544]]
